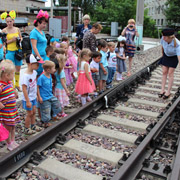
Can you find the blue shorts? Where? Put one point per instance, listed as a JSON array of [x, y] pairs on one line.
[[11, 56], [33, 103], [102, 76]]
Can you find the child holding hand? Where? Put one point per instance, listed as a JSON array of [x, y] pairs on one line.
[[85, 83], [8, 112], [61, 91]]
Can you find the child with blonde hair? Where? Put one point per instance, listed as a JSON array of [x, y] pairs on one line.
[[85, 83], [61, 91], [8, 112], [68, 65], [45, 95]]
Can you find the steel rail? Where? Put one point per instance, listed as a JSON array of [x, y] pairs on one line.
[[12, 161], [128, 171]]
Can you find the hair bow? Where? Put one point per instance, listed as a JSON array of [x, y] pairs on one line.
[[121, 38], [11, 14], [42, 14]]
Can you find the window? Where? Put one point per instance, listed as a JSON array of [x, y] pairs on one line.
[[162, 20]]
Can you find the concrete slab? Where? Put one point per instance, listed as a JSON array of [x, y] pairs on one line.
[[128, 124], [154, 84], [57, 169], [146, 95], [138, 111], [153, 89], [116, 135], [145, 102], [90, 151]]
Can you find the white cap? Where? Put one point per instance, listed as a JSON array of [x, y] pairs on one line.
[[121, 38], [33, 59]]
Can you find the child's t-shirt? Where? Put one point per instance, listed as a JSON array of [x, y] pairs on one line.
[[45, 87], [104, 61], [112, 61], [58, 79], [30, 81], [95, 65]]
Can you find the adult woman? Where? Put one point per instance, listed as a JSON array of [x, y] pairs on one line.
[[12, 34], [38, 38], [81, 29], [130, 32], [169, 61]]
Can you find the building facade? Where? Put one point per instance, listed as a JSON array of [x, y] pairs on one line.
[[21, 6], [156, 11]]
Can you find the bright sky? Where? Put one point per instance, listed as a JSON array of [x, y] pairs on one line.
[[48, 3]]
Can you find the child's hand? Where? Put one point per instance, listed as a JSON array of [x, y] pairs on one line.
[[1, 106], [28, 104], [91, 83], [68, 93], [40, 100], [16, 94], [105, 72]]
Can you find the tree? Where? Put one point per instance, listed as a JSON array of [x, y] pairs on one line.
[[172, 11]]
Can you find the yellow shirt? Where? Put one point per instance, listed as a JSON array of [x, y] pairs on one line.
[[12, 46]]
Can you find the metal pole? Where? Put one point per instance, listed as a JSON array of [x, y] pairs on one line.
[[140, 19], [69, 18], [51, 8]]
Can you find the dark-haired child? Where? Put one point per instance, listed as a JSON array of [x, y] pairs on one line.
[[49, 51], [94, 66]]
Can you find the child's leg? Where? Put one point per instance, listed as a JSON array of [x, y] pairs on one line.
[[55, 105], [83, 99], [28, 118], [103, 84], [9, 128], [33, 115], [100, 85]]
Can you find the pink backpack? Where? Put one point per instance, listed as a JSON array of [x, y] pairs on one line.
[[4, 133]]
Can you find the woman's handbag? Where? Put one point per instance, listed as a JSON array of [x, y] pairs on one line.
[[4, 133], [19, 55]]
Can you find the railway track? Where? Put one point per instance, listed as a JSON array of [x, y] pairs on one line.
[[126, 133]]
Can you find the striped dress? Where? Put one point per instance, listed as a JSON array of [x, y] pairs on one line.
[[9, 114], [130, 44]]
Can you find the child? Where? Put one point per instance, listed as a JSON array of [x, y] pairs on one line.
[[49, 51], [112, 62], [29, 88], [61, 91], [103, 70], [120, 53], [94, 65], [85, 83], [101, 41], [45, 96], [71, 57], [68, 66], [8, 111]]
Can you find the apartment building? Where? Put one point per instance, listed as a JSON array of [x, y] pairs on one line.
[[156, 11]]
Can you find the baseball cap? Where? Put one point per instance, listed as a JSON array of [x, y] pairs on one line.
[[31, 58]]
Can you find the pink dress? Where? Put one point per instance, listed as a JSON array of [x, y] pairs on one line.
[[83, 85], [67, 71], [72, 60]]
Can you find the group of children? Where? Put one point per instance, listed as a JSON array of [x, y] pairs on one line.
[[45, 83]]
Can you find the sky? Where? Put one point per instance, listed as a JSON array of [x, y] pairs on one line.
[[48, 3]]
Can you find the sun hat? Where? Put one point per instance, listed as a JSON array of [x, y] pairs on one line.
[[33, 59]]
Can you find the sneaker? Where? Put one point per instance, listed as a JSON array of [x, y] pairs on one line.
[[56, 118], [96, 94], [64, 115], [88, 99], [108, 87], [100, 92], [10, 146], [36, 128], [46, 125], [29, 131], [14, 144]]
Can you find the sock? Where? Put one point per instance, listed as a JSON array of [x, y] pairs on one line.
[[117, 76], [83, 100], [120, 75], [17, 74]]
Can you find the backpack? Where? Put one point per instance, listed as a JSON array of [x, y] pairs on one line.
[[26, 45]]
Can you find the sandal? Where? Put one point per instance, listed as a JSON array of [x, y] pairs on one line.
[[166, 97], [56, 118], [161, 95], [46, 125], [36, 128], [29, 131]]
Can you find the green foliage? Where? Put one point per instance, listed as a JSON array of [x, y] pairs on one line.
[[150, 29], [172, 11]]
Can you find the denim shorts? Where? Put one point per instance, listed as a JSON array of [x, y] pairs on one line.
[[33, 103], [102, 76], [95, 78], [11, 56], [46, 107]]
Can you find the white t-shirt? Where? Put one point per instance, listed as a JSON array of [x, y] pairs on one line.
[[30, 81], [94, 65], [112, 60]]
